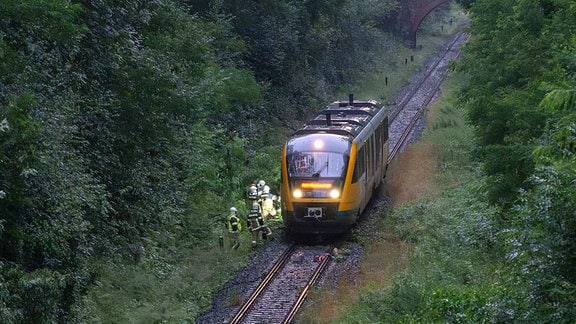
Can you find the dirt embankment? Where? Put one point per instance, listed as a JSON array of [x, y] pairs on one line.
[[410, 173]]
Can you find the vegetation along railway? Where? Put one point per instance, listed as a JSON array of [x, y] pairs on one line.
[[317, 178]]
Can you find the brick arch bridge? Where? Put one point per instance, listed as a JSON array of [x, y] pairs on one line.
[[409, 17]]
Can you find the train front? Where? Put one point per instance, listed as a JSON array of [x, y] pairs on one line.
[[314, 169]]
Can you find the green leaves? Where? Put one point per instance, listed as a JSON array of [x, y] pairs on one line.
[[542, 243], [46, 20], [523, 84], [18, 153], [518, 48], [559, 100]]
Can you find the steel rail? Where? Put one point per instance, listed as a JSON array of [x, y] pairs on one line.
[[423, 79], [428, 99], [304, 293], [404, 136], [263, 284], [283, 259]]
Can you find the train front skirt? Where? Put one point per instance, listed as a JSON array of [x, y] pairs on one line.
[[319, 218]]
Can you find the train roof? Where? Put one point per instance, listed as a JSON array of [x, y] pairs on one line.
[[346, 118]]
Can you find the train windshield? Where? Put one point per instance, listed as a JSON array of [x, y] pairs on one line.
[[317, 165], [318, 155]]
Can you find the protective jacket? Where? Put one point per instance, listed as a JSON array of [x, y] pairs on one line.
[[267, 203], [255, 220], [233, 223]]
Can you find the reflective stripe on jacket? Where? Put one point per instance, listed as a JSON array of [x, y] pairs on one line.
[[233, 224], [255, 220]]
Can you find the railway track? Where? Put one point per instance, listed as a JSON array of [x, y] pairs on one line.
[[411, 108], [283, 290]]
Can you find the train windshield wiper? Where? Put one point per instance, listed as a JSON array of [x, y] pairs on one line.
[[317, 174]]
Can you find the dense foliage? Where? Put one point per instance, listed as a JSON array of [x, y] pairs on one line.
[[126, 125], [521, 60], [299, 50], [519, 51]]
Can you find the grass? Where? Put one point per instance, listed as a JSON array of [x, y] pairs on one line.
[[162, 288]]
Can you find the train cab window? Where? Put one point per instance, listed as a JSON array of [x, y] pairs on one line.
[[316, 174], [318, 155], [317, 164]]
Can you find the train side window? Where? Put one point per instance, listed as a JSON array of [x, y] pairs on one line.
[[359, 167]]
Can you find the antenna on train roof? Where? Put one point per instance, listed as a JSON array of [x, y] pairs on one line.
[[336, 105]]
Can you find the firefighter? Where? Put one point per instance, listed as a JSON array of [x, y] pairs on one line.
[[260, 186], [257, 226], [267, 203], [252, 193], [234, 226]]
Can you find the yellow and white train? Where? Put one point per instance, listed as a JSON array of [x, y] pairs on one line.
[[332, 166]]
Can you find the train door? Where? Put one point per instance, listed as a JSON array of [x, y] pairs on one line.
[[381, 152], [372, 163], [362, 176], [385, 147]]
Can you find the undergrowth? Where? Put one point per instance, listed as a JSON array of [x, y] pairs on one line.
[[163, 287], [452, 275]]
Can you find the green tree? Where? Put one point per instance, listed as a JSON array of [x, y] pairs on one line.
[[511, 54], [105, 107], [540, 234]]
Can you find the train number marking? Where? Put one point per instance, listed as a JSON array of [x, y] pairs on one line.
[[314, 212]]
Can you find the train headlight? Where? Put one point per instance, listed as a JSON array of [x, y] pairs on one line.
[[297, 193], [334, 193]]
